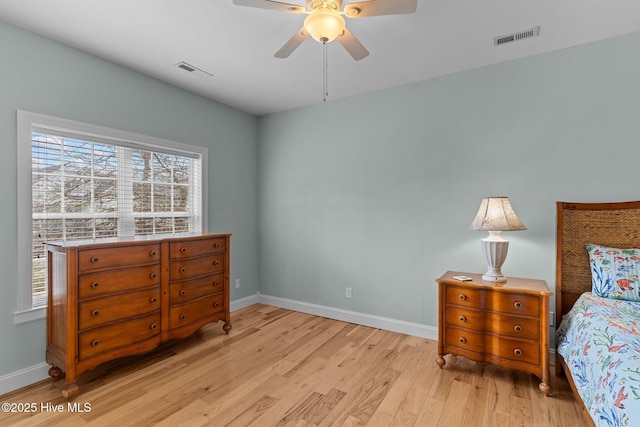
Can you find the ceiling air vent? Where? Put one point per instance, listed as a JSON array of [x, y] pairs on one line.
[[193, 70], [531, 32]]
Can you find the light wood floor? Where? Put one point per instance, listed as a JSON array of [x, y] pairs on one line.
[[279, 367]]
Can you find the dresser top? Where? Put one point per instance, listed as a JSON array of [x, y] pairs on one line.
[[134, 239], [513, 284]]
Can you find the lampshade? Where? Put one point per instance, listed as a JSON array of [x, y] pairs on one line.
[[495, 215], [324, 25]]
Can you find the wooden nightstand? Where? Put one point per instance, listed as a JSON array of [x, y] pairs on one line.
[[506, 324]]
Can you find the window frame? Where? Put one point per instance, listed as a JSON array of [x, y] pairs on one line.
[[26, 122]]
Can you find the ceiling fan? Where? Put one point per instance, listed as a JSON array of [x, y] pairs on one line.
[[325, 21]]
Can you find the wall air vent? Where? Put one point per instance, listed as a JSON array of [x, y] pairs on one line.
[[193, 70], [531, 32]]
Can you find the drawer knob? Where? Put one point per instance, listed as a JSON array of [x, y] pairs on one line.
[[517, 328], [95, 285], [216, 262], [462, 340], [95, 313], [216, 283], [182, 270], [517, 304], [153, 326], [183, 249], [94, 259], [216, 304], [182, 317], [183, 293], [152, 275], [517, 352], [153, 300], [462, 297], [216, 245], [462, 319], [153, 253], [95, 343]]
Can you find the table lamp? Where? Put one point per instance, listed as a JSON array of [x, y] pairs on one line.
[[495, 215]]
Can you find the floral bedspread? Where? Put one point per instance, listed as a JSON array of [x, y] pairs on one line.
[[600, 342]]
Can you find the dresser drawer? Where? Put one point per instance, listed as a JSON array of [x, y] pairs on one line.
[[103, 283], [463, 296], [465, 339], [518, 351], [184, 314], [116, 335], [97, 259], [181, 292], [513, 326], [100, 311], [465, 318], [513, 303], [188, 268], [192, 248]]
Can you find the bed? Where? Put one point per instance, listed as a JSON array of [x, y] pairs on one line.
[[598, 303]]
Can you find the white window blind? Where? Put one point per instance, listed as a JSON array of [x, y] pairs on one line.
[[90, 185]]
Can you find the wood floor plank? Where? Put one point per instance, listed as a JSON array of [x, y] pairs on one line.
[[283, 368]]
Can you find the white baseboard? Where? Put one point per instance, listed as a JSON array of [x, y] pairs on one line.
[[400, 326], [39, 372], [23, 377]]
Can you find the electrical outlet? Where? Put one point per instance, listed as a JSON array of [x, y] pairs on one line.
[[347, 293], [552, 319], [237, 283]]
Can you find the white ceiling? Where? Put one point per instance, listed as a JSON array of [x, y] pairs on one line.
[[236, 44]]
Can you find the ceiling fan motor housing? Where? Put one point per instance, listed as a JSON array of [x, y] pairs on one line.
[[328, 4]]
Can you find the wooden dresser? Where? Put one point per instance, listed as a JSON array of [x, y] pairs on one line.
[[506, 324], [112, 298]]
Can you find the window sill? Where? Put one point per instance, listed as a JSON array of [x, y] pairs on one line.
[[29, 315]]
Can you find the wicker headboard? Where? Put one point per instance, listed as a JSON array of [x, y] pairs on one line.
[[610, 224]]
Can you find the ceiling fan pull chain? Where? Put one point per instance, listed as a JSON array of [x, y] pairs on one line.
[[325, 72]]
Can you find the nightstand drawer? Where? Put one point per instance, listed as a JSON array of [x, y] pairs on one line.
[[513, 303], [518, 351], [514, 326], [465, 339], [464, 296], [465, 318]]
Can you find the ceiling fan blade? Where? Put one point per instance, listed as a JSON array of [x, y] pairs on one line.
[[291, 45], [363, 9], [352, 45], [271, 5]]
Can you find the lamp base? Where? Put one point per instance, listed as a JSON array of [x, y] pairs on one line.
[[494, 276], [494, 249]]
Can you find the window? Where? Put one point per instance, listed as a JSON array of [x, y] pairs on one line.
[[89, 182]]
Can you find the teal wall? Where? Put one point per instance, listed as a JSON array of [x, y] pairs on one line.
[[373, 192], [376, 192], [42, 76]]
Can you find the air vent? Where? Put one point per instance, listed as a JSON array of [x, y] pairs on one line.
[[193, 70], [520, 35]]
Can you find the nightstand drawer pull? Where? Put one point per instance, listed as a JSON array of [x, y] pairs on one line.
[[518, 328], [153, 326], [462, 319], [183, 293], [462, 340], [182, 270], [95, 343], [153, 300], [95, 313], [152, 253], [95, 285], [517, 304], [517, 352], [462, 297]]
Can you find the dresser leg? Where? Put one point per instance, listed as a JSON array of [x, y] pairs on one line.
[[545, 387], [440, 361], [55, 372], [227, 327], [70, 391]]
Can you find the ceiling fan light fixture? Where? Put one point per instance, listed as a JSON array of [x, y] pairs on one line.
[[324, 25]]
